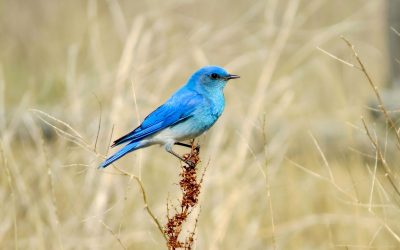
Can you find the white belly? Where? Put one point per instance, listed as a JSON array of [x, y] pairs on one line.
[[180, 132]]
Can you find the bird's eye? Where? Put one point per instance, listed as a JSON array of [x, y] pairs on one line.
[[214, 76]]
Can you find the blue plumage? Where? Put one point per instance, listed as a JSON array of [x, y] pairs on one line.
[[188, 113], [123, 151]]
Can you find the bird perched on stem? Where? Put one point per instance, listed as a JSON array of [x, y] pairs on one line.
[[188, 113]]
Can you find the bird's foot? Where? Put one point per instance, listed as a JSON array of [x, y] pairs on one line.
[[190, 163], [197, 148], [191, 159]]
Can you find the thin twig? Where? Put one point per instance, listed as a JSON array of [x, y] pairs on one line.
[[375, 235], [12, 194], [99, 125], [388, 171], [395, 31], [57, 120], [373, 181], [265, 174], [375, 89], [337, 58], [110, 139], [113, 233], [52, 191], [75, 138], [379, 110], [323, 157], [144, 196], [312, 173]]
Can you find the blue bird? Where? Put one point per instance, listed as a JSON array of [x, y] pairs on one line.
[[188, 113]]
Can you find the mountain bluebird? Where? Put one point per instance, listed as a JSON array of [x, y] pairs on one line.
[[188, 113]]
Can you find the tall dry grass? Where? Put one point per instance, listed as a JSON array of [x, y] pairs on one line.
[[290, 163]]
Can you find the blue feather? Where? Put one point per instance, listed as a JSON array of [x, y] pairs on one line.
[[168, 114], [123, 151]]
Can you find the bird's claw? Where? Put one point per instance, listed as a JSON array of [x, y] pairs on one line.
[[197, 148], [190, 163]]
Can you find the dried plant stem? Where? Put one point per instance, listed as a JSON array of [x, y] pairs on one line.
[[190, 188], [373, 175], [10, 184], [323, 157], [362, 68], [147, 207], [392, 178], [271, 210], [57, 124], [328, 180], [337, 58], [99, 124], [52, 192], [375, 89], [144, 195], [265, 174], [114, 234], [388, 171], [353, 199], [395, 31]]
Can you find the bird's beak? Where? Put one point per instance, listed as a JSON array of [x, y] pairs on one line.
[[229, 77]]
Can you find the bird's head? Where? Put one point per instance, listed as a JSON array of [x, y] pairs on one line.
[[211, 78]]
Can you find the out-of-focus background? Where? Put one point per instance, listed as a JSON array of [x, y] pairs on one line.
[[289, 163]]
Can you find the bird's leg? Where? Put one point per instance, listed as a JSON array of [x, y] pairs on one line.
[[183, 144], [197, 148], [187, 161]]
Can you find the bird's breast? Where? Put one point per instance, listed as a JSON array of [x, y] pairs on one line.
[[207, 114], [217, 106]]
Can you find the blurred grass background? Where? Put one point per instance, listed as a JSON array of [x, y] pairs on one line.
[[113, 62]]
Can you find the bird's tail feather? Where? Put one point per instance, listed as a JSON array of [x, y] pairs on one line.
[[123, 151]]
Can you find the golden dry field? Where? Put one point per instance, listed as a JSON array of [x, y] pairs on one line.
[[296, 161]]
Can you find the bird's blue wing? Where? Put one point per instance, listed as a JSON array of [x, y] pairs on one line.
[[177, 109]]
